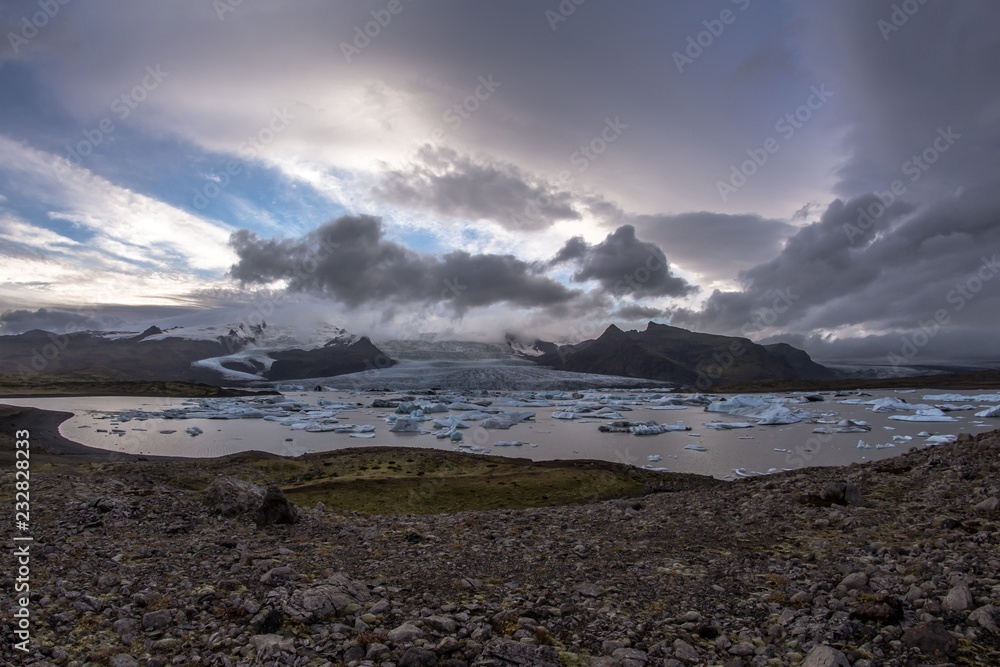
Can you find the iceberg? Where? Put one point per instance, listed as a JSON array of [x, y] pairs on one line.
[[564, 415], [863, 445], [990, 412], [725, 426], [406, 425], [193, 431], [696, 448]]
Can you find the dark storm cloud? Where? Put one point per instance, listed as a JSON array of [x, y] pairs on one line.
[[455, 186], [900, 272], [348, 260], [623, 264], [901, 78], [636, 313], [715, 245]]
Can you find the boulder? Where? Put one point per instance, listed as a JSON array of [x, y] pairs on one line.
[[841, 493], [503, 652], [825, 656], [232, 497], [933, 639], [275, 508], [330, 598]]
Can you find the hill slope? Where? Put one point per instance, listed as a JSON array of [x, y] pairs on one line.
[[676, 355]]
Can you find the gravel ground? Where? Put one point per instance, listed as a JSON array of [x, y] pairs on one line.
[[888, 563]]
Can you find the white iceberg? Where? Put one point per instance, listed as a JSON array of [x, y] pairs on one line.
[[990, 412]]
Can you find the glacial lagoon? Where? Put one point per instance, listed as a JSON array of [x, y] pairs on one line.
[[545, 425]]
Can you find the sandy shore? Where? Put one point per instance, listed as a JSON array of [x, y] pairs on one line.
[[47, 444]]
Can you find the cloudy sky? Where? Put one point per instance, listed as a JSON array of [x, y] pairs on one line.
[[822, 173]]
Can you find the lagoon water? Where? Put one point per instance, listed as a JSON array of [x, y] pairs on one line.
[[728, 453]]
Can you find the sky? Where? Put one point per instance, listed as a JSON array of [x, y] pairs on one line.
[[824, 174]]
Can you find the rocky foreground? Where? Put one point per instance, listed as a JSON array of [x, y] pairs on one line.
[[890, 563]]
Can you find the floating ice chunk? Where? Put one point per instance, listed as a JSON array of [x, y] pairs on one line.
[[886, 445], [451, 421], [362, 435], [950, 398], [902, 438], [940, 439], [990, 412], [504, 420], [783, 451], [406, 425], [193, 431], [863, 445], [653, 458], [745, 437], [564, 415], [725, 426], [323, 426], [924, 416], [645, 429], [696, 448], [776, 414], [509, 443]]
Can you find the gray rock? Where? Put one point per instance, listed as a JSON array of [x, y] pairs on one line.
[[275, 508], [842, 493], [232, 497], [854, 581], [958, 598], [407, 632], [271, 644], [333, 597], [825, 656], [685, 652], [630, 657], [989, 505], [417, 657], [588, 590], [743, 648], [986, 617], [931, 638], [441, 624], [122, 660], [157, 620], [124, 626], [503, 652], [278, 575]]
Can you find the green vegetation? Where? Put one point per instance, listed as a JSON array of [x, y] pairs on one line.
[[396, 480]]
